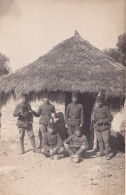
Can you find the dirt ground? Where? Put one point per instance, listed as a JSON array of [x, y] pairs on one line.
[[34, 174]]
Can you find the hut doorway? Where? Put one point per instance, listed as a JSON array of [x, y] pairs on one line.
[[87, 100]]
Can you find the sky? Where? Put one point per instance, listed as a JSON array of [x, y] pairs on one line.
[[30, 28]]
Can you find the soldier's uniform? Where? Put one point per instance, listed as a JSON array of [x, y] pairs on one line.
[[51, 141], [44, 112], [75, 144], [24, 122], [74, 116], [102, 119]]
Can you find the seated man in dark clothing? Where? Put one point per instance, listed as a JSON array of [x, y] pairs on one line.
[[52, 145], [75, 145]]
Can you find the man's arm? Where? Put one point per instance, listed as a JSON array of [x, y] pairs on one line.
[[16, 112], [38, 113], [82, 115], [108, 119], [54, 111], [67, 114], [85, 144], [67, 141], [59, 141]]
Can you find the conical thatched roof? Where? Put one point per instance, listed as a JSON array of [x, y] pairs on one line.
[[73, 65]]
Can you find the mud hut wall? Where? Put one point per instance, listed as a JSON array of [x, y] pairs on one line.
[[9, 130]]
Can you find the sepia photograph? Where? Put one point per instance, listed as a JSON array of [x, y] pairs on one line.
[[62, 97]]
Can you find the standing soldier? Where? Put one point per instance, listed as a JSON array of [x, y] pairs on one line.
[[24, 122], [74, 115], [45, 111], [102, 119]]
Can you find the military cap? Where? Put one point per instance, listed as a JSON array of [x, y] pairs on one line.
[[25, 95], [78, 128], [46, 95], [74, 95]]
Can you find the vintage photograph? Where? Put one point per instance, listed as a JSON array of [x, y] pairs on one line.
[[62, 97]]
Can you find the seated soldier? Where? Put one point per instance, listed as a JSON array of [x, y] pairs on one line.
[[52, 145], [75, 145]]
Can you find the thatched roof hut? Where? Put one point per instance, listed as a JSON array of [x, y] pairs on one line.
[[73, 65]]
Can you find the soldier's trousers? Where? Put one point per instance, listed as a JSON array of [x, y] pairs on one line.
[[58, 151], [72, 150], [30, 135], [71, 129], [42, 130], [103, 139]]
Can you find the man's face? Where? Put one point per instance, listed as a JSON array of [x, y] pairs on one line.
[[46, 100], [78, 133], [24, 100], [74, 100], [100, 104]]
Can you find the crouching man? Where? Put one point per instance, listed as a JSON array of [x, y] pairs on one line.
[[76, 145], [52, 145], [24, 122]]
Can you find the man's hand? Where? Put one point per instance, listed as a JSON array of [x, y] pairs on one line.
[[51, 151], [54, 150], [66, 145], [82, 147], [100, 122], [66, 125], [20, 110]]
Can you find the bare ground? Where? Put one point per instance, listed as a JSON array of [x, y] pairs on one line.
[[33, 174]]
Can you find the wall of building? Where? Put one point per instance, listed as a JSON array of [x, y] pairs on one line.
[[119, 118], [9, 130]]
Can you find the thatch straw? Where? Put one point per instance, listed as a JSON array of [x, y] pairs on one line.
[[73, 65]]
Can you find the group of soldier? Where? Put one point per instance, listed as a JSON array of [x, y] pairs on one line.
[[51, 143]]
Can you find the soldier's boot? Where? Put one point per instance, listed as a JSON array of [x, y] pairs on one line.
[[107, 151], [101, 147], [21, 141], [32, 140]]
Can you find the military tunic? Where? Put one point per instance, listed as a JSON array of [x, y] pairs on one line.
[[45, 111], [51, 141], [75, 144], [102, 118], [25, 118], [74, 117]]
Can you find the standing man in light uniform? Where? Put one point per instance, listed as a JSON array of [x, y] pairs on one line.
[[45, 112]]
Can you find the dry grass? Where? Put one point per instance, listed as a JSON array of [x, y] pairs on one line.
[[73, 65]]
